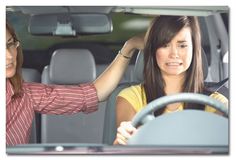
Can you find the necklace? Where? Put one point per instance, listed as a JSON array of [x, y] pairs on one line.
[[179, 108]]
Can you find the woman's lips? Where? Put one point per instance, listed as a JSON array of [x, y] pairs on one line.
[[174, 63], [9, 65]]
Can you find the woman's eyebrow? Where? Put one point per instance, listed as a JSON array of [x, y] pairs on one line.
[[182, 41]]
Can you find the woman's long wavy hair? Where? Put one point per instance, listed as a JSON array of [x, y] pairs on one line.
[[162, 30], [16, 80]]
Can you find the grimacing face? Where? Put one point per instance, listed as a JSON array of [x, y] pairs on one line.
[[11, 53], [175, 57]]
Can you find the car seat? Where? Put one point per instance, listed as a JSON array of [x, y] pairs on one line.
[[32, 75], [67, 67]]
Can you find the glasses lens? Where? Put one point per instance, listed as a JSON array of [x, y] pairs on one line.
[[12, 45]]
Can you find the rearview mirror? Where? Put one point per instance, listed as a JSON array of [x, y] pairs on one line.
[[70, 24]]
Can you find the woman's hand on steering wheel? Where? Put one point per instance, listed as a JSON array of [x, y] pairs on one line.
[[124, 132]]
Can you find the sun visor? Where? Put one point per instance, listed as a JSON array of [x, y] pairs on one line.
[[70, 24]]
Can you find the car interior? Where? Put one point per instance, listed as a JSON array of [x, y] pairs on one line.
[[68, 45]]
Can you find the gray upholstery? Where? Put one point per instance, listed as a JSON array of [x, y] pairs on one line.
[[138, 68], [109, 110], [71, 66], [89, 128], [204, 64], [109, 130], [127, 77], [77, 128], [32, 75], [45, 76]]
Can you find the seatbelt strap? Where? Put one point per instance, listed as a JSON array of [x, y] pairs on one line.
[[215, 87], [218, 85]]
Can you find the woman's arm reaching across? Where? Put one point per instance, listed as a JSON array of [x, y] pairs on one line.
[[110, 78]]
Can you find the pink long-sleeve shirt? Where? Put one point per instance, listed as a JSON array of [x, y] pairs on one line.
[[45, 99]]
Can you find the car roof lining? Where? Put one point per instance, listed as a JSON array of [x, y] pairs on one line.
[[146, 10], [36, 10]]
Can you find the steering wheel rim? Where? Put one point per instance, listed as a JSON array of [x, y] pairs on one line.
[[180, 97]]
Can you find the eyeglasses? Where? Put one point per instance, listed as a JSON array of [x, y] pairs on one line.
[[11, 46]]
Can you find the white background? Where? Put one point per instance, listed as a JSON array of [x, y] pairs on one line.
[[229, 3]]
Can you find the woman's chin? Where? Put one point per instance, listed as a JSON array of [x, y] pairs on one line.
[[10, 74]]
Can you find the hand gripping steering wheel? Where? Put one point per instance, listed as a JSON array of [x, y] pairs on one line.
[[187, 127]]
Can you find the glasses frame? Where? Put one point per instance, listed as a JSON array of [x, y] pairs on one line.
[[11, 46]]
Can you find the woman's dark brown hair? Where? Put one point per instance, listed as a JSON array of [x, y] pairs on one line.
[[16, 80], [162, 30]]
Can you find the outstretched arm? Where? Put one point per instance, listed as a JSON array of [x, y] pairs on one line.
[[110, 78]]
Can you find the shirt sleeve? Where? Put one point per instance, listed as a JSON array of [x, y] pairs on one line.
[[62, 99], [134, 97], [218, 97]]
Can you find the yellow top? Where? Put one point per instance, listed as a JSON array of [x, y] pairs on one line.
[[137, 99]]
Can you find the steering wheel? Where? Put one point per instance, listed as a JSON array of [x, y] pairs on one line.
[[186, 127], [181, 97]]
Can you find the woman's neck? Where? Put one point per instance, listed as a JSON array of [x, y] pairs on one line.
[[173, 83]]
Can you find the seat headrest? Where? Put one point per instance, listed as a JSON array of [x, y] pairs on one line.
[[138, 67], [139, 64], [72, 66], [45, 76], [31, 75]]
